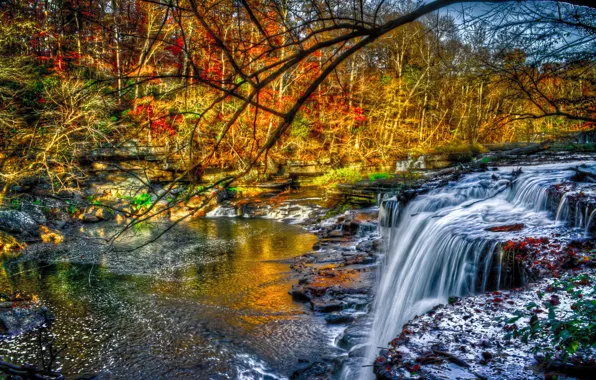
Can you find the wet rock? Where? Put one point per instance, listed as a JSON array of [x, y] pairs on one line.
[[35, 212], [18, 222], [359, 351], [337, 318], [299, 294], [357, 302], [20, 319], [314, 371], [366, 246], [353, 336], [359, 259], [225, 194], [507, 228], [326, 306], [336, 233]]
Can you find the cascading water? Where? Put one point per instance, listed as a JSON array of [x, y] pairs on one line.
[[438, 244]]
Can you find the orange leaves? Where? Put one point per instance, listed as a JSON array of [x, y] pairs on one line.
[[509, 245], [508, 228]]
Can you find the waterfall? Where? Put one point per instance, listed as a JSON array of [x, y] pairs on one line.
[[438, 245], [589, 222], [563, 209], [221, 211]]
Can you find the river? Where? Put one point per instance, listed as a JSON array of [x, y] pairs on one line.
[[219, 310]]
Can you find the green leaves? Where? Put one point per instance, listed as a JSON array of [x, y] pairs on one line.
[[141, 201], [569, 328], [572, 347]]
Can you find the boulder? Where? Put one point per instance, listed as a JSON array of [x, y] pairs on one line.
[[35, 212], [18, 222], [336, 318], [314, 371], [18, 320], [326, 305]]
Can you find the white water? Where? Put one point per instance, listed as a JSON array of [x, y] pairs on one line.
[[438, 245], [220, 211]]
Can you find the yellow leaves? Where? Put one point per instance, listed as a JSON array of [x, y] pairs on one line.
[[48, 236], [9, 244]]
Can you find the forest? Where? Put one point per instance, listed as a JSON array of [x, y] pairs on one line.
[[297, 189], [229, 84]]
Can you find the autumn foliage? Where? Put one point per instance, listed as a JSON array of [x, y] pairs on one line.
[[231, 84]]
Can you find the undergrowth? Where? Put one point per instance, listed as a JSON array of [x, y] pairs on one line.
[[568, 333], [335, 176]]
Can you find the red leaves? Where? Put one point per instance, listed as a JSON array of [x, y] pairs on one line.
[[358, 115], [509, 246], [554, 300], [177, 47], [160, 125], [163, 126]]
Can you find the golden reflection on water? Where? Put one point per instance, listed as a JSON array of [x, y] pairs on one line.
[[230, 288], [241, 277], [244, 278]]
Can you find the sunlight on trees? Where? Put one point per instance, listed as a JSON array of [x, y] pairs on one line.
[[234, 84]]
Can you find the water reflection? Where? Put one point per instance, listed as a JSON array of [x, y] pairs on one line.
[[225, 312]]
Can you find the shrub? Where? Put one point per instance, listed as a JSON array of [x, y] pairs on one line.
[[566, 332], [380, 175], [141, 201], [335, 176]]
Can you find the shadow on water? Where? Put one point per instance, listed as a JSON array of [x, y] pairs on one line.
[[224, 313]]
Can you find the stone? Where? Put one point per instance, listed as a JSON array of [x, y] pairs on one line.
[[18, 320], [225, 195], [18, 222], [299, 294], [337, 318], [326, 306], [365, 246], [314, 371], [95, 214], [35, 212], [336, 233]]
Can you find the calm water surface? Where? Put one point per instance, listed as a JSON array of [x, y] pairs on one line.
[[224, 313]]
